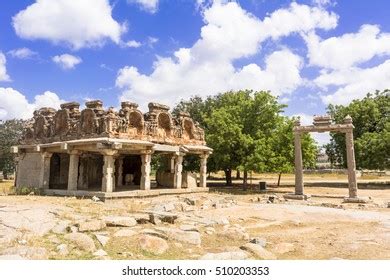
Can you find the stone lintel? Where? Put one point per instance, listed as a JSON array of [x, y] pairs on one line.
[[37, 148], [333, 127], [296, 196]]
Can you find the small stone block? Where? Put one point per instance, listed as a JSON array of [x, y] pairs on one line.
[[356, 200], [296, 196]]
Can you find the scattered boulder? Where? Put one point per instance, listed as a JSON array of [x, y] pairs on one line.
[[190, 237], [141, 218], [82, 241], [189, 228], [125, 233], [153, 244], [95, 199], [61, 227], [192, 201], [102, 238], [91, 225], [282, 248], [210, 230], [234, 255], [155, 233], [169, 207], [221, 221], [259, 241], [235, 233], [158, 217], [120, 221], [63, 249], [258, 251]]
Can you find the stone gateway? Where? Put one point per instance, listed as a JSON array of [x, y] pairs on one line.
[[105, 153]]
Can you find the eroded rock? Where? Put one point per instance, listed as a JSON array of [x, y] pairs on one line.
[[153, 244], [258, 251], [82, 241], [120, 221]]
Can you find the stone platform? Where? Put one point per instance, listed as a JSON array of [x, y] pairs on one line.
[[123, 194]]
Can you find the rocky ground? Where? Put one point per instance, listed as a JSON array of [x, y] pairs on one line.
[[226, 224]]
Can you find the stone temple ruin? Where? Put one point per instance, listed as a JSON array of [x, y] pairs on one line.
[[107, 153]]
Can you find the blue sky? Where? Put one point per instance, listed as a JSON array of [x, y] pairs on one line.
[[309, 53]]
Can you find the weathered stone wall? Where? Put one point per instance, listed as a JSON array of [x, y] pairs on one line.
[[68, 123], [29, 170]]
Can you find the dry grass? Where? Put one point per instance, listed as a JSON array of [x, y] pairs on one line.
[[7, 187]]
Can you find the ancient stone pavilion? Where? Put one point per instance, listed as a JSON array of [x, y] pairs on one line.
[[107, 153]]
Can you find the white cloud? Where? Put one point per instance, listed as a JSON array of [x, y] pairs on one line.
[[150, 6], [354, 83], [14, 104], [23, 53], [133, 44], [3, 70], [349, 49], [343, 75], [229, 33], [81, 23], [66, 61]]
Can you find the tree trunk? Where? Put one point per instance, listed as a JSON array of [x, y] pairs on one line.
[[238, 175], [245, 179], [280, 175], [228, 176]]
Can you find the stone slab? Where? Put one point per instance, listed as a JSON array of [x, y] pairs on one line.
[[296, 196]]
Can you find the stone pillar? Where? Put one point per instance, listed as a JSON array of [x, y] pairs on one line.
[[108, 171], [203, 171], [80, 182], [145, 171], [120, 172], [177, 182], [298, 164], [172, 164], [352, 182], [45, 171], [73, 170]]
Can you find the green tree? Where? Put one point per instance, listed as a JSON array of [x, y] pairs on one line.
[[371, 118], [10, 133], [246, 131]]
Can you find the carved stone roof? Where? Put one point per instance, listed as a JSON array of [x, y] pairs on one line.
[[69, 123]]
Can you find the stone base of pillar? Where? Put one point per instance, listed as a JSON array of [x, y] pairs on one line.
[[356, 200], [296, 196]]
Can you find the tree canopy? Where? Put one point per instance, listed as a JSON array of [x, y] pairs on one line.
[[247, 132], [371, 118], [10, 133]]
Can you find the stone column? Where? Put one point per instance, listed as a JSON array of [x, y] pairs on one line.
[[120, 172], [172, 164], [352, 182], [298, 164], [45, 171], [203, 171], [73, 170], [108, 171], [145, 171], [177, 182]]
